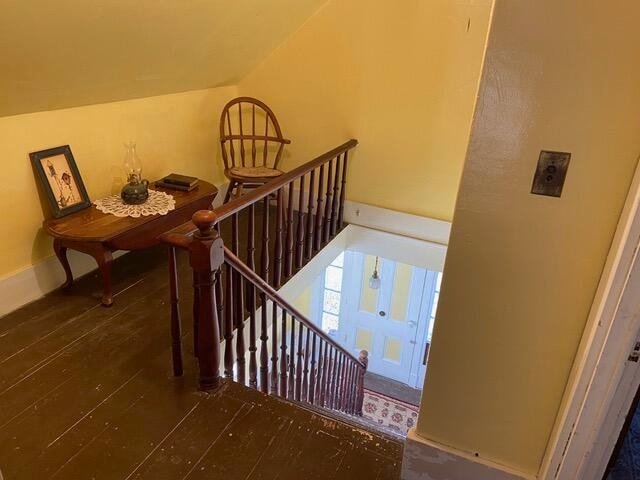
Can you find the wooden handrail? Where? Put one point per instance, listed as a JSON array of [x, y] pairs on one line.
[[309, 365], [275, 297], [176, 236], [276, 184]]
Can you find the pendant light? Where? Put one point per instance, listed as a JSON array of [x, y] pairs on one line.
[[374, 281]]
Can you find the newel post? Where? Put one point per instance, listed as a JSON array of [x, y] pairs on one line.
[[364, 359], [206, 257]]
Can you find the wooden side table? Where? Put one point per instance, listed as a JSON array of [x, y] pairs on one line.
[[99, 234]]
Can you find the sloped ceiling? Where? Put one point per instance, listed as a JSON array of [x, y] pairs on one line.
[[64, 53]]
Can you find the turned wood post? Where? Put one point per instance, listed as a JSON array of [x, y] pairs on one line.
[[207, 255], [364, 359]]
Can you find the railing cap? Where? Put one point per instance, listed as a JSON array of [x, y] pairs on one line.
[[204, 220]]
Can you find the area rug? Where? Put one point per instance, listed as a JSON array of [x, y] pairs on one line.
[[389, 412]]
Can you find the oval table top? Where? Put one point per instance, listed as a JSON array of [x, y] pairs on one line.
[[91, 224]]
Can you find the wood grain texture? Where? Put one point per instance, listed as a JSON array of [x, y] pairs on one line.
[[87, 392]]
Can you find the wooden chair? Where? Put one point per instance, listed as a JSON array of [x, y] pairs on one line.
[[252, 144]]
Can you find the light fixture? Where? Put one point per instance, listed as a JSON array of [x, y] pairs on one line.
[[374, 281]]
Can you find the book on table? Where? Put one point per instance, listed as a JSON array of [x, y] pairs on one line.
[[181, 180], [172, 186]]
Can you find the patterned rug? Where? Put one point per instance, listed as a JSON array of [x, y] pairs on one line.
[[389, 412], [627, 465]]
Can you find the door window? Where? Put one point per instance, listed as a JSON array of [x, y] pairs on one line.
[[331, 295]]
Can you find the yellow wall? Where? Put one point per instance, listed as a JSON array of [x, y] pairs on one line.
[[174, 133], [521, 269], [401, 77]]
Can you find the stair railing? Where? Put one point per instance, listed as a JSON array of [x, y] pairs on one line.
[[229, 292], [296, 358]]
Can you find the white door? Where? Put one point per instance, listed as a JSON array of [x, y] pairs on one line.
[[386, 321], [426, 320]]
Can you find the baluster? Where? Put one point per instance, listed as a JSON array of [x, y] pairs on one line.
[[325, 368], [327, 206], [327, 380], [298, 392], [251, 299], [334, 378], [318, 387], [343, 190], [274, 349], [347, 385], [292, 359], [264, 351], [264, 261], [288, 259], [364, 359], [228, 322], [343, 381], [235, 235], [251, 241], [264, 268], [305, 369], [312, 375], [350, 407], [283, 356], [277, 273], [319, 210], [336, 199], [310, 218], [239, 315], [176, 327], [206, 257], [300, 243], [338, 381], [337, 378]]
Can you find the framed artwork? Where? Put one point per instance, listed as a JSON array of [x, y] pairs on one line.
[[61, 180]]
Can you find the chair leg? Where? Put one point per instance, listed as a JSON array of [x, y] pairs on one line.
[[232, 185]]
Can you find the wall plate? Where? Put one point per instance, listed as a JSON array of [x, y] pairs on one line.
[[550, 173]]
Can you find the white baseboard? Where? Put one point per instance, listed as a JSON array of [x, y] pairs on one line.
[[400, 223], [33, 282], [426, 460]]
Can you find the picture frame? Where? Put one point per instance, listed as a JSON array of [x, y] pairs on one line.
[[61, 180]]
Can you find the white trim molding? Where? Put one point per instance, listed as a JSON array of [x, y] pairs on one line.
[[581, 442], [400, 223], [427, 460], [33, 282]]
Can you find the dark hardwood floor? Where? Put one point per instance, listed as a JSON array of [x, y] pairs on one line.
[[86, 392]]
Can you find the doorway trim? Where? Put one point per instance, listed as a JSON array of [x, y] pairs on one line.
[[597, 385]]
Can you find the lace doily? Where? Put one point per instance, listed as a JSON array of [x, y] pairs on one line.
[[157, 203]]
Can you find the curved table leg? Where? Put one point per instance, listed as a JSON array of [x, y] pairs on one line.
[[104, 259], [61, 253]]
